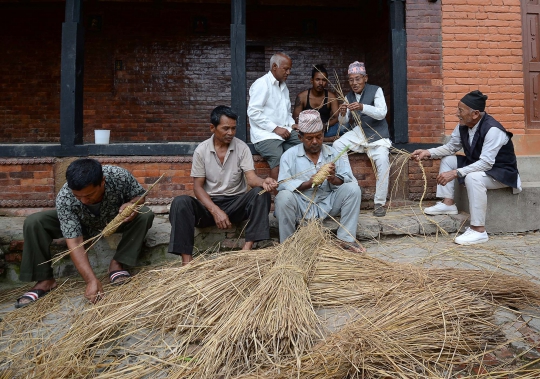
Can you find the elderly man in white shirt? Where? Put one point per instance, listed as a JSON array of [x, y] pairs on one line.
[[272, 127], [366, 105], [489, 163]]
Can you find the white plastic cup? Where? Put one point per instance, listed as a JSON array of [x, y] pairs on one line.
[[102, 136]]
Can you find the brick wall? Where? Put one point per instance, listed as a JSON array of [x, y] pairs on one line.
[[33, 183], [424, 71], [171, 76], [482, 50], [27, 182]]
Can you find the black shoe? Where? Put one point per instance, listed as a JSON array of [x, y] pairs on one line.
[[379, 211]]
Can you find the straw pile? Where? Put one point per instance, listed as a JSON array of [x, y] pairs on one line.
[[253, 313]]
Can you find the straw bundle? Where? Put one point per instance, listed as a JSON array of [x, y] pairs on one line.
[[417, 334], [277, 321]]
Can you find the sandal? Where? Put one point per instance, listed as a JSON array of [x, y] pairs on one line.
[[33, 295], [353, 247], [119, 277]]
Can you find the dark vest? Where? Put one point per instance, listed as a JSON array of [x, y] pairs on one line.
[[504, 169], [324, 110], [373, 129]]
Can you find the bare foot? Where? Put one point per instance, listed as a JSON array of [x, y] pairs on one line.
[[115, 266], [248, 245], [186, 258], [353, 247]]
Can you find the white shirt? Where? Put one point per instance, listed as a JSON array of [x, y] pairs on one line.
[[495, 139], [269, 107], [377, 110]]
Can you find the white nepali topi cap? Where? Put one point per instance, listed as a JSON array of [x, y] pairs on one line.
[[309, 121], [357, 68]]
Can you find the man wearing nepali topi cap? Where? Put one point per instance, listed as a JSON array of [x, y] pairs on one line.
[[489, 163], [339, 194], [365, 103]]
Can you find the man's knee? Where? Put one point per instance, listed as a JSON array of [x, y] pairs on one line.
[[285, 198], [352, 190], [180, 202], [34, 220], [448, 161], [146, 216], [474, 179]]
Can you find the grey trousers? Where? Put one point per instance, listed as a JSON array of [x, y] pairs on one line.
[[378, 151], [41, 228], [477, 184], [345, 201]]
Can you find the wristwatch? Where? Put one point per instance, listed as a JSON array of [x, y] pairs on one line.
[[459, 174]]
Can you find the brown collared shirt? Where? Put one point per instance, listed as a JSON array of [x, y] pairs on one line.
[[225, 179]]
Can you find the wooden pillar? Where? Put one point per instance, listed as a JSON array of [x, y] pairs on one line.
[[71, 78], [398, 43], [238, 66]]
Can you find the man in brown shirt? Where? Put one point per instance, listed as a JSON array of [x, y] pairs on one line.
[[222, 169]]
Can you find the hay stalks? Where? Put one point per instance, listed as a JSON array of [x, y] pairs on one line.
[[276, 322]]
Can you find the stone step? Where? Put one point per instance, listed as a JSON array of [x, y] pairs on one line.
[[403, 221]]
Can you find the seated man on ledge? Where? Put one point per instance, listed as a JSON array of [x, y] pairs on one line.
[[221, 166], [489, 163], [92, 197], [338, 194]]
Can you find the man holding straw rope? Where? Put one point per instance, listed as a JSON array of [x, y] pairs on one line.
[[92, 197], [222, 169], [365, 111], [338, 194], [489, 163]]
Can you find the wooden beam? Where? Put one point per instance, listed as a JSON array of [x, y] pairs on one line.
[[238, 66], [398, 44], [71, 77]]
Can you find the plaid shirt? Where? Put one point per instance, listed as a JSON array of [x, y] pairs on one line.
[[77, 220]]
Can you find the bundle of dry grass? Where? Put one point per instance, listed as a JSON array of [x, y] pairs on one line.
[[186, 300], [415, 334], [276, 322]]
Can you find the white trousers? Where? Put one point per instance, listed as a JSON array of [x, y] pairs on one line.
[[477, 184], [377, 151]]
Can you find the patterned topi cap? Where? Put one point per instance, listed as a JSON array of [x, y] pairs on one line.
[[357, 68], [309, 121]]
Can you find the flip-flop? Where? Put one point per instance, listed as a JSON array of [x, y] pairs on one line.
[[114, 277], [353, 247], [33, 295]]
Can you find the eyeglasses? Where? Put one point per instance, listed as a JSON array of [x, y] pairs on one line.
[[357, 80]]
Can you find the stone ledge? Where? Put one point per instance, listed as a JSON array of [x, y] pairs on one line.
[[404, 221]]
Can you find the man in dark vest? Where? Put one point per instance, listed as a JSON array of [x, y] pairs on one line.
[[318, 97], [365, 111], [489, 163]]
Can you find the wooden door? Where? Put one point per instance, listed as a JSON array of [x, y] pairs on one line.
[[531, 61]]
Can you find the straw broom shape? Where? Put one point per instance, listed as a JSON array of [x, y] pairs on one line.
[[275, 322], [416, 334], [112, 226]]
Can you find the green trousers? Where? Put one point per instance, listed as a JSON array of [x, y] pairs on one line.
[[41, 228]]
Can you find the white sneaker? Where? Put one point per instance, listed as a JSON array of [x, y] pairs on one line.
[[471, 237], [441, 209]]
